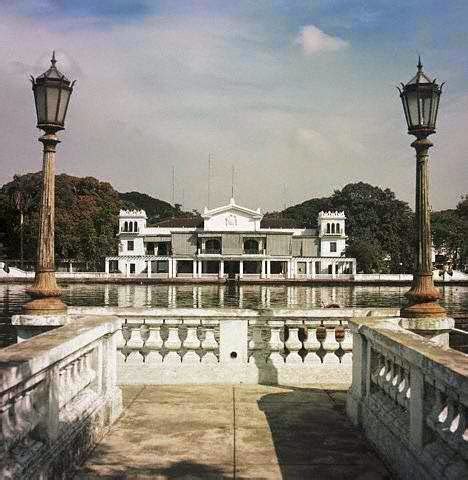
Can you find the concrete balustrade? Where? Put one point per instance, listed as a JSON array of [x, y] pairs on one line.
[[58, 395], [410, 396], [204, 350]]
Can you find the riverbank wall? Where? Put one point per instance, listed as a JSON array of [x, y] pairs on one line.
[[359, 279]]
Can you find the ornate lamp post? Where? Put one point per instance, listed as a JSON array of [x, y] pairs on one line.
[[52, 92], [420, 98]]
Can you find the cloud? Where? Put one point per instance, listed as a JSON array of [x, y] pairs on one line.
[[313, 41]]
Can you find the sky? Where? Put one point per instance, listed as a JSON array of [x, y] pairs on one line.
[[299, 96]]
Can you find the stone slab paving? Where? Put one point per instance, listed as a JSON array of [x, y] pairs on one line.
[[234, 432]]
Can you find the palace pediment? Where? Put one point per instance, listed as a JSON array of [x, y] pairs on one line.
[[232, 217]]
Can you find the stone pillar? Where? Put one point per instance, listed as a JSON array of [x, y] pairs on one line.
[[333, 269], [354, 267], [268, 268], [149, 269], [70, 267], [312, 264], [221, 269], [174, 268], [241, 269], [106, 266], [307, 269], [194, 269], [263, 270], [45, 291], [127, 269]]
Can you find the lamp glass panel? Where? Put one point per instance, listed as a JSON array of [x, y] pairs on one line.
[[52, 100], [412, 100], [64, 99], [425, 99], [435, 108], [39, 98]]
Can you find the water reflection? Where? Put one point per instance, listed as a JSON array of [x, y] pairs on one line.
[[454, 298]]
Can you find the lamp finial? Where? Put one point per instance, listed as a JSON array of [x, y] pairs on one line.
[[53, 61], [420, 65]]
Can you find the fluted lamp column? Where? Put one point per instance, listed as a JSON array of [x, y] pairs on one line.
[[52, 91], [420, 98]]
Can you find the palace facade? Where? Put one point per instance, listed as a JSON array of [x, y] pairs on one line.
[[231, 242]]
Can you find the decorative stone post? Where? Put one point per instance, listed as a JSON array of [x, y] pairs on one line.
[[52, 92]]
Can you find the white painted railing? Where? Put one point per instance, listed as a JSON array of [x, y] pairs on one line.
[[411, 398], [58, 395]]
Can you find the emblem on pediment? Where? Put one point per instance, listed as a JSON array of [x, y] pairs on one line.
[[231, 220]]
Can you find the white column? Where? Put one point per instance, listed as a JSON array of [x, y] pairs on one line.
[[70, 267], [263, 270], [307, 269], [127, 269], [169, 269], [194, 269], [106, 266], [174, 268], [200, 268], [241, 269], [312, 264], [268, 268], [289, 271], [333, 269], [149, 269], [354, 267], [221, 269]]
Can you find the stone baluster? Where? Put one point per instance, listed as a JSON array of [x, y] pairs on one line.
[[330, 345], [173, 343], [144, 335], [209, 344], [257, 351], [275, 344], [312, 344], [347, 346], [402, 396], [293, 344], [192, 342], [154, 343]]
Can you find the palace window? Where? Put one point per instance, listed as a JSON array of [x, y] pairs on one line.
[[337, 228], [328, 228], [130, 245], [251, 246], [332, 247]]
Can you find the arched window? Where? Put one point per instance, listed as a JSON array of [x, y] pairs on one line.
[[251, 246], [328, 228], [130, 227], [213, 245], [125, 228], [135, 226], [333, 228], [337, 228]]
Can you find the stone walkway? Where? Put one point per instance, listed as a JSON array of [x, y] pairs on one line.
[[233, 432]]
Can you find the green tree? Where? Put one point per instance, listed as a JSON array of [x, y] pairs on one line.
[[448, 235]]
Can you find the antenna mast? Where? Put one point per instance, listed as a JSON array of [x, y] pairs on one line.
[[232, 182], [209, 179], [173, 185]]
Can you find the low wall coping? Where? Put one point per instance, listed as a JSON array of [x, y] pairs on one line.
[[20, 361], [446, 364]]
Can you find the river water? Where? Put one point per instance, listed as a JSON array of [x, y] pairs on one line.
[[12, 296]]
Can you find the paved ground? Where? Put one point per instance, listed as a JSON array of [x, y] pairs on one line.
[[240, 432]]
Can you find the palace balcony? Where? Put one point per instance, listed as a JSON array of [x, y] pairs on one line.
[[269, 389]]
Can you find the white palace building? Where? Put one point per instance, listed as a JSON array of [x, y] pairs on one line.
[[231, 242]]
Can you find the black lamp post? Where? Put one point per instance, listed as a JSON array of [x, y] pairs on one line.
[[52, 92], [420, 98]]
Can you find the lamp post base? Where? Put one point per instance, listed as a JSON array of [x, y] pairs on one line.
[[46, 295], [423, 297], [423, 310]]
